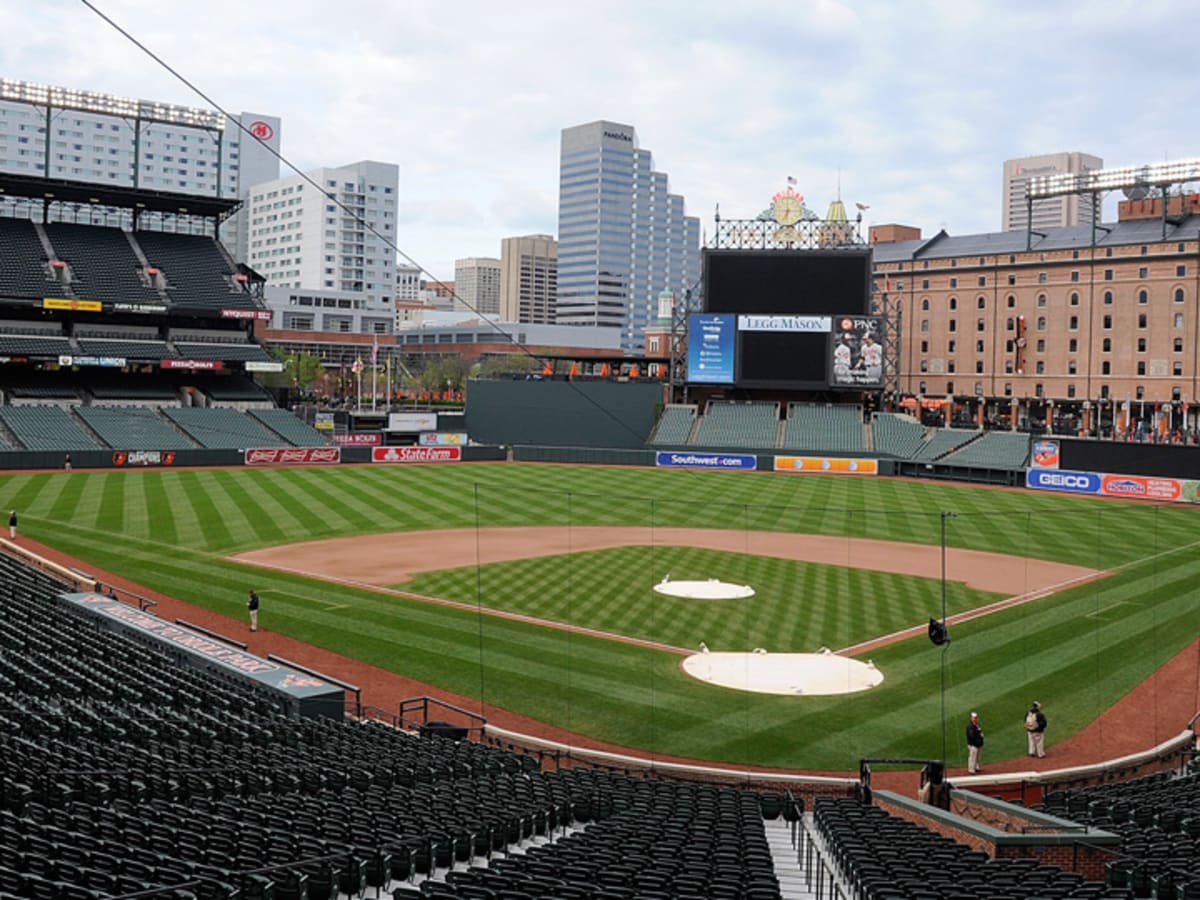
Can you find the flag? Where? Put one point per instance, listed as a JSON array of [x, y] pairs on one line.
[[357, 366], [791, 180], [375, 350]]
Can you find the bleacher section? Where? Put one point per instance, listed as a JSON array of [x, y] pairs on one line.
[[103, 264], [1157, 820], [138, 351], [674, 426], [127, 773], [197, 272], [994, 450], [231, 352], [943, 441], [823, 428], [295, 432], [133, 428], [45, 428], [750, 425], [223, 428], [23, 262], [231, 389], [125, 390], [897, 435], [35, 347]]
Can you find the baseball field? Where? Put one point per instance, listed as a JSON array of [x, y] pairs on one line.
[[542, 620]]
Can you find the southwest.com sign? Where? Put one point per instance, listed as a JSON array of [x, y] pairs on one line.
[[705, 460]]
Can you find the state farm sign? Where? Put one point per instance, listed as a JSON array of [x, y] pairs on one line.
[[293, 456], [415, 454]]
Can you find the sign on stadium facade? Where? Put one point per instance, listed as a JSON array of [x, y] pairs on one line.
[[359, 439], [416, 454], [143, 308], [409, 422], [143, 458], [108, 362], [191, 364], [293, 456], [725, 462], [259, 366], [264, 314], [442, 439], [829, 465]]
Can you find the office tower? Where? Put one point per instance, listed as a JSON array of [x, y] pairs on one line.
[[528, 278], [1051, 212], [301, 238], [623, 237], [77, 135], [477, 284]]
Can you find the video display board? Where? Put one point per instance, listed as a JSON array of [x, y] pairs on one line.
[[711, 348], [787, 304], [856, 353]]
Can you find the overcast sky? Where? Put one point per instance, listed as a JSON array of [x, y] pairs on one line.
[[917, 103]]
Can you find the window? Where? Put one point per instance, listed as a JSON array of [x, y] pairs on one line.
[[1041, 345], [1141, 367], [1108, 274], [954, 303], [1178, 295], [922, 387], [979, 346], [1041, 367], [924, 325], [1140, 393], [1041, 323], [1039, 390], [1141, 345], [1108, 298], [1143, 271], [924, 284], [1106, 345], [1177, 368], [1177, 345], [1041, 277], [951, 346], [983, 281], [1072, 346], [924, 346], [1073, 323], [1008, 324], [1141, 320], [1071, 368], [980, 324], [1012, 279], [950, 367], [1041, 300], [925, 304], [981, 302], [1008, 389], [1143, 297], [1106, 368], [1180, 271], [949, 388], [1074, 298], [1106, 322], [953, 281], [1075, 275], [953, 325], [979, 367], [1104, 392], [1011, 301], [1070, 390]]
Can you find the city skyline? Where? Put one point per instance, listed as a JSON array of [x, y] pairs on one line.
[[911, 110]]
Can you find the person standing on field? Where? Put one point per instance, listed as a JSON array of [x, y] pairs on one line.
[[1035, 725], [12, 524], [974, 744], [252, 606]]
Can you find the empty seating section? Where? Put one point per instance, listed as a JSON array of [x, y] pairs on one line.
[[943, 441], [229, 352], [103, 264], [674, 426], [750, 425], [232, 388], [45, 428], [995, 450], [132, 389], [140, 351], [127, 773], [1158, 820], [823, 427], [291, 429], [897, 435], [884, 856], [225, 428], [33, 346], [197, 272], [23, 262], [133, 428]]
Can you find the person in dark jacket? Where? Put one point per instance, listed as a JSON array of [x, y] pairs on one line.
[[1035, 726], [252, 606], [974, 744], [12, 524]]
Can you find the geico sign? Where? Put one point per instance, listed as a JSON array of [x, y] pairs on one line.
[[1080, 482], [1061, 480]]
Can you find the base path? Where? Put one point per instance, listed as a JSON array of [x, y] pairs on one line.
[[385, 559]]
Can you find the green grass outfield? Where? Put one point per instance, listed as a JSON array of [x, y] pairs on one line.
[[1077, 651]]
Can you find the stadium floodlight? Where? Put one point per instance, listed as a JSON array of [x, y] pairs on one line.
[[109, 104], [1163, 173]]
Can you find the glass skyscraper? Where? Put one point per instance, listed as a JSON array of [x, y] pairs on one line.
[[623, 237]]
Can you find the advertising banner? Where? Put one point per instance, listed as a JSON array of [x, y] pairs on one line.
[[711, 349], [260, 366], [143, 458], [827, 464], [293, 456], [68, 303], [412, 421], [416, 454], [107, 362], [1063, 480], [1137, 487], [264, 314], [734, 461], [1045, 454], [817, 324], [856, 353], [358, 438], [141, 308], [324, 421], [442, 439], [206, 364]]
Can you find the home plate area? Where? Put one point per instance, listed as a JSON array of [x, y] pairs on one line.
[[798, 674]]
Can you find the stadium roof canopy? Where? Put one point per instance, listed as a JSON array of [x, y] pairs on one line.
[[56, 190]]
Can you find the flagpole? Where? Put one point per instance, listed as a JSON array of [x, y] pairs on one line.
[[374, 385]]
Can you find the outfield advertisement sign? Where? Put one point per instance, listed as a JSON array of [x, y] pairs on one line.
[[123, 458], [359, 438], [293, 456], [409, 422], [723, 461], [1063, 480], [1128, 487], [442, 439], [415, 454], [828, 465], [1045, 454]]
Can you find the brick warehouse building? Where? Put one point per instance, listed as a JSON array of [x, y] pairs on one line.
[[1078, 329]]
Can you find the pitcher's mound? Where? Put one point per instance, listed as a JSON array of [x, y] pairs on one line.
[[797, 674], [711, 589]]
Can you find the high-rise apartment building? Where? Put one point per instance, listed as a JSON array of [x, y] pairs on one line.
[[55, 132], [477, 284], [528, 278], [622, 236], [1049, 212], [317, 237]]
